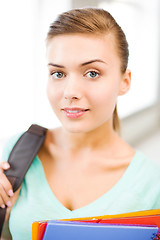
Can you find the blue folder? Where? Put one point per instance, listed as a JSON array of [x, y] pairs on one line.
[[61, 230]]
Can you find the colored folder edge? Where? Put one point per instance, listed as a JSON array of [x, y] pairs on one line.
[[38, 230], [35, 226], [122, 215], [151, 220]]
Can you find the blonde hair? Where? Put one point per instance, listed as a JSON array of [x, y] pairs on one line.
[[93, 21]]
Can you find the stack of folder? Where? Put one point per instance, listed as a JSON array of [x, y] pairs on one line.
[[130, 226]]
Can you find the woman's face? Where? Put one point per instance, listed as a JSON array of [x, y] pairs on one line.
[[84, 80]]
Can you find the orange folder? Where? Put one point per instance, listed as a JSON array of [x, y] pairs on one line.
[[123, 215], [35, 227]]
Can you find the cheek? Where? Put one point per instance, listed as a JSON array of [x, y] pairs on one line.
[[49, 92], [105, 96], [104, 102], [52, 94]]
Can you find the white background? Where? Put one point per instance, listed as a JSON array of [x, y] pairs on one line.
[[23, 73]]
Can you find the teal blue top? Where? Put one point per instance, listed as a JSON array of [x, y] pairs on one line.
[[138, 189]]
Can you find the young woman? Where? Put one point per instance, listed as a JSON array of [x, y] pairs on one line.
[[84, 168]]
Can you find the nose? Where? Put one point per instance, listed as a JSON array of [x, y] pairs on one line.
[[72, 89]]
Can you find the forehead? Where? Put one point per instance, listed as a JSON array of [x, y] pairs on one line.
[[81, 47]]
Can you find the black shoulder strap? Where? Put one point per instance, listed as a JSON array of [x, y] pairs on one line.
[[21, 157]]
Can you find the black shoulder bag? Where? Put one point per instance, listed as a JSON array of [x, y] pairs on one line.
[[21, 157]]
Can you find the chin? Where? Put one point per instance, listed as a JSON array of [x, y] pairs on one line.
[[76, 129]]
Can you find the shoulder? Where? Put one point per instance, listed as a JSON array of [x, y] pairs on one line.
[[144, 173], [145, 167], [144, 180], [52, 138], [9, 144], [146, 163], [147, 172]]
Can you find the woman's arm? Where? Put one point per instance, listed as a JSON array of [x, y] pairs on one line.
[[5, 197], [5, 232]]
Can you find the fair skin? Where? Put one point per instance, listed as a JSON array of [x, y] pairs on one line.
[[85, 157]]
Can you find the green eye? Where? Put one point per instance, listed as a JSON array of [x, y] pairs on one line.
[[58, 75], [92, 74]]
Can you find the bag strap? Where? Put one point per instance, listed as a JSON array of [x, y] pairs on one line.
[[21, 157]]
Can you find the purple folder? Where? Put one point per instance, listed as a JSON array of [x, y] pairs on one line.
[[64, 230]]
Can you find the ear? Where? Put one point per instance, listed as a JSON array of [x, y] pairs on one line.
[[125, 83]]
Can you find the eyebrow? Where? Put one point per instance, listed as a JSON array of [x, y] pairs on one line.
[[92, 61], [55, 65], [83, 64]]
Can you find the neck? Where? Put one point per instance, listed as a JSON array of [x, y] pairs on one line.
[[99, 138]]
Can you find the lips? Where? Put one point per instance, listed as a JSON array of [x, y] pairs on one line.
[[74, 112]]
